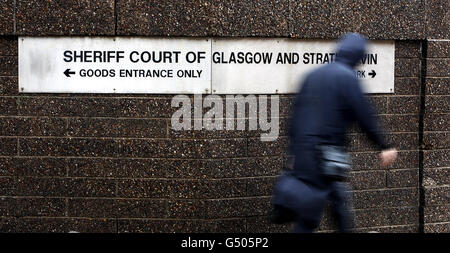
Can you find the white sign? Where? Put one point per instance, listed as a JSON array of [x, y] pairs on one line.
[[114, 65], [187, 65], [278, 65]]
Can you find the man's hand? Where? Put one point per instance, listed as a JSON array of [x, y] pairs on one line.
[[388, 156]]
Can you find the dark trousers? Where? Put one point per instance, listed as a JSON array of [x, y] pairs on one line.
[[341, 202]]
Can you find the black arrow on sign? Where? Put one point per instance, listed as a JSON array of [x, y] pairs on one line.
[[373, 73], [68, 72]]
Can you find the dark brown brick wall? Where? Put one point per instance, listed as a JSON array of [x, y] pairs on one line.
[[93, 17], [110, 163], [436, 138], [383, 19], [7, 17]]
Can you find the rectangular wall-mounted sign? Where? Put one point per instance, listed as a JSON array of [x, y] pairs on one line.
[[279, 65], [114, 65], [187, 65]]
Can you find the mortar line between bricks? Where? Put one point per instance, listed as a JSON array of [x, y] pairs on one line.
[[385, 188], [57, 217], [99, 96], [163, 118], [397, 114], [195, 139], [386, 178], [129, 138], [356, 171], [437, 168], [383, 169], [168, 135], [137, 118], [130, 157], [408, 57], [386, 208], [187, 219], [192, 159], [66, 207], [173, 139], [197, 200], [438, 223], [146, 178], [71, 198], [117, 187], [214, 219], [115, 17], [15, 16], [399, 169], [383, 95], [400, 95], [176, 159], [390, 133], [378, 227], [289, 35], [438, 206], [438, 58], [66, 128], [158, 97], [389, 226], [439, 40], [422, 105], [116, 118], [82, 117], [153, 158], [403, 77], [166, 118], [437, 186], [189, 159], [164, 199], [437, 113], [388, 109], [197, 179]]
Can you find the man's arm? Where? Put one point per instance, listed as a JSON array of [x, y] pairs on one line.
[[365, 117]]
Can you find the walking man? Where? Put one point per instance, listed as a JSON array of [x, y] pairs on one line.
[[329, 101]]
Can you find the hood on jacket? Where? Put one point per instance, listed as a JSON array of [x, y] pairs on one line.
[[351, 49]]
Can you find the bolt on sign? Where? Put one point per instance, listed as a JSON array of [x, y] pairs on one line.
[[187, 65]]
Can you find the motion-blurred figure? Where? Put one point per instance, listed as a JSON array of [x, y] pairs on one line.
[[329, 101]]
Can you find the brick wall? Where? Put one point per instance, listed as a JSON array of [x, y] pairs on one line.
[[111, 163], [436, 172], [386, 199]]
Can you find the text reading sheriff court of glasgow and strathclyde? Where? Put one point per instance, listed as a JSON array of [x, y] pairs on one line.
[[197, 57]]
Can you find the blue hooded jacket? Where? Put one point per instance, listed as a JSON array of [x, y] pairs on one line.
[[329, 101]]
